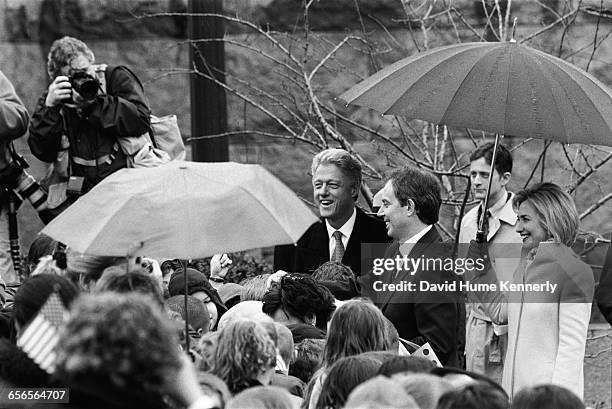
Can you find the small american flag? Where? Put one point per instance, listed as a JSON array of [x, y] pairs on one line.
[[40, 337]]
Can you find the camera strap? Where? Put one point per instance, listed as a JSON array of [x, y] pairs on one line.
[[17, 158]]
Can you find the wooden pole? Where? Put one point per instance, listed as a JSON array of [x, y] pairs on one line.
[[208, 105]]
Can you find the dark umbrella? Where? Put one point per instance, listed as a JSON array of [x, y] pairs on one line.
[[505, 88]]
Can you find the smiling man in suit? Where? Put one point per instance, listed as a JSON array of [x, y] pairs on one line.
[[336, 180], [410, 204]]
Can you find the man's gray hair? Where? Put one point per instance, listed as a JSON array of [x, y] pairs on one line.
[[343, 160], [63, 51]]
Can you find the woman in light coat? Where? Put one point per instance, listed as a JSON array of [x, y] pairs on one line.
[[548, 310]]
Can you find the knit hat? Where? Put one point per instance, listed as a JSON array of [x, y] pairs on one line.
[[196, 282]]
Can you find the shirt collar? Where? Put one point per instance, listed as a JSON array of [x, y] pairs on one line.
[[346, 229], [503, 210], [415, 239]]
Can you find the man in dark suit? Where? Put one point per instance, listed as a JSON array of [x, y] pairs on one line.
[[336, 179], [410, 204]]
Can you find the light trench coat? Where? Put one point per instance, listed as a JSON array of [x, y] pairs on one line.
[[546, 331], [486, 342]]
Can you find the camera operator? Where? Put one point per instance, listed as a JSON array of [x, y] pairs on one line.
[[75, 105], [13, 124]]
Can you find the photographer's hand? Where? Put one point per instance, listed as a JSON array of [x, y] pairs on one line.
[[59, 91]]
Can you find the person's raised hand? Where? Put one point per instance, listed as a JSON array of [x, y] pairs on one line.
[[60, 91], [219, 266]]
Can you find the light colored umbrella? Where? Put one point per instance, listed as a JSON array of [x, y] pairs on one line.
[[183, 210], [502, 87]]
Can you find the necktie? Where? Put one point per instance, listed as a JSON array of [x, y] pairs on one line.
[[486, 221], [339, 250]]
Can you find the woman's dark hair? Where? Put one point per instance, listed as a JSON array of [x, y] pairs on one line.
[[475, 396], [343, 377], [546, 397], [358, 326], [35, 291], [42, 245], [300, 296]]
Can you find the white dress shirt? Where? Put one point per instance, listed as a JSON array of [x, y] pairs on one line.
[[346, 230]]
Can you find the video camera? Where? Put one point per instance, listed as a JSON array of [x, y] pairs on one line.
[[86, 85]]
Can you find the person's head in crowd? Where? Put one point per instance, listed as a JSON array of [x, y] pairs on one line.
[[169, 267], [230, 294], [284, 344], [358, 326], [343, 376], [250, 310], [380, 392], [261, 397], [480, 168], [199, 287], [35, 291], [336, 181], [254, 288], [308, 358], [119, 347], [546, 212], [199, 317], [546, 397], [245, 356], [338, 278], [475, 396], [411, 201], [118, 280], [206, 348], [42, 245], [84, 270], [214, 386], [297, 298], [380, 356], [426, 389], [403, 364], [461, 378], [69, 53]]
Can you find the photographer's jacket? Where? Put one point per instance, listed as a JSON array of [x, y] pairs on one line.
[[93, 132], [13, 118]]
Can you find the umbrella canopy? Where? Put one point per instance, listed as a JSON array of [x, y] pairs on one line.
[[183, 210], [504, 88]]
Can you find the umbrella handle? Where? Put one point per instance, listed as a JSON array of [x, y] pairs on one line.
[[480, 235], [186, 309]]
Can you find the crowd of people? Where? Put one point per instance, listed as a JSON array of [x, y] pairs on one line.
[[324, 330]]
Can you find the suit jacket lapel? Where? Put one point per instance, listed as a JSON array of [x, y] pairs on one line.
[[353, 246], [420, 248]]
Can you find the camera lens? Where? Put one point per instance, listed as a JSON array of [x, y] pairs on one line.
[[85, 85]]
